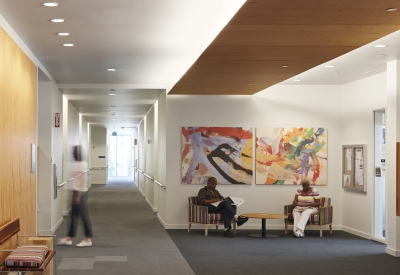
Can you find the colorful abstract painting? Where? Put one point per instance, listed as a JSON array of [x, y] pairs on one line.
[[286, 155], [225, 153]]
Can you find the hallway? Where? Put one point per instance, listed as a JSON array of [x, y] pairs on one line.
[[128, 238]]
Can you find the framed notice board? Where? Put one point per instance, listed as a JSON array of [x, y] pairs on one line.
[[354, 159]]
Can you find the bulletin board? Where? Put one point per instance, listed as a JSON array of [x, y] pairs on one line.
[[354, 159]]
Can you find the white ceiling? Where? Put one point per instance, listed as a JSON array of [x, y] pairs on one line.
[[150, 43], [358, 64]]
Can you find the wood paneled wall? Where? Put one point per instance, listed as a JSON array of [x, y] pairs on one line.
[[18, 89]]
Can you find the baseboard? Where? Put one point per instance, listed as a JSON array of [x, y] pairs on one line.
[[152, 207], [57, 225], [98, 183], [161, 221], [250, 227], [395, 253], [44, 232], [143, 194], [356, 232]]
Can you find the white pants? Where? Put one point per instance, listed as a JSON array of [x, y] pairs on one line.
[[301, 214]]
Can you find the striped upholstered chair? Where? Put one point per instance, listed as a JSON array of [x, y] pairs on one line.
[[198, 214], [323, 217]]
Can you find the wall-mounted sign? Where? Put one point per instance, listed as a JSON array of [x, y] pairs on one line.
[[57, 120]]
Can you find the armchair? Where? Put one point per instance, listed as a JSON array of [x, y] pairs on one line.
[[323, 217], [198, 214]]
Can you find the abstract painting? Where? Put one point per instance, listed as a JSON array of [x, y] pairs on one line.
[[225, 153], [286, 155]]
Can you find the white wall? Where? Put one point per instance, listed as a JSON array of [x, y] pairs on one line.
[[49, 152], [142, 145], [57, 152], [359, 99], [161, 158], [98, 148], [149, 158], [309, 106], [44, 154]]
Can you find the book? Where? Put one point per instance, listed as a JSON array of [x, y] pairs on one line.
[[232, 200]]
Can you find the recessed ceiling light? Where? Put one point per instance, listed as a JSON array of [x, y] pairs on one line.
[[50, 4], [111, 94], [285, 66], [68, 45], [329, 66], [391, 9], [297, 80], [371, 72], [57, 20], [63, 33], [381, 46], [111, 70]]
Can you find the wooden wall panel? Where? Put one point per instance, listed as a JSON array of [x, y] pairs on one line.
[[298, 33], [18, 93]]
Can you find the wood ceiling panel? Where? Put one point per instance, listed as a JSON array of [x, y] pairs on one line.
[[266, 34], [274, 52], [316, 35]]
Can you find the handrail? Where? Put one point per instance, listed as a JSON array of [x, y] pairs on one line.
[[149, 177], [99, 168], [71, 179]]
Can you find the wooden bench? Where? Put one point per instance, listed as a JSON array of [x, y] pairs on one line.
[[10, 230]]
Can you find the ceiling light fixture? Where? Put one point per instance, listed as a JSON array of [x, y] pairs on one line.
[[111, 70], [57, 20], [296, 80], [329, 66], [63, 33], [381, 46], [381, 54], [50, 4], [111, 94], [68, 45], [285, 66], [391, 9]]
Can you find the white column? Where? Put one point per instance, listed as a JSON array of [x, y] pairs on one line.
[[392, 137]]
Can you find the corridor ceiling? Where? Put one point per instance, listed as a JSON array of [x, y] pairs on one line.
[[229, 47]]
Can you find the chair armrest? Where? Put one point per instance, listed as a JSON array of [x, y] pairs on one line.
[[198, 213], [325, 215], [288, 209]]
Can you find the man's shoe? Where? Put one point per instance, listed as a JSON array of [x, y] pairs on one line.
[[241, 220], [64, 241], [84, 244], [228, 234]]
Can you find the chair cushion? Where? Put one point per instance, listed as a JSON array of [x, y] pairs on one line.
[[27, 256], [215, 218], [314, 219]]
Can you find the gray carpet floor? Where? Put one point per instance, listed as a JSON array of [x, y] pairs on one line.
[[128, 238], [340, 253]]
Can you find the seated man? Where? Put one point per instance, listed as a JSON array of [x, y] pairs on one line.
[[209, 195]]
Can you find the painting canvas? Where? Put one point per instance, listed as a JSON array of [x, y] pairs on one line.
[[286, 155], [225, 153]]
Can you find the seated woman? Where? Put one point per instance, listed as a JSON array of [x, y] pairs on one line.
[[305, 203]]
